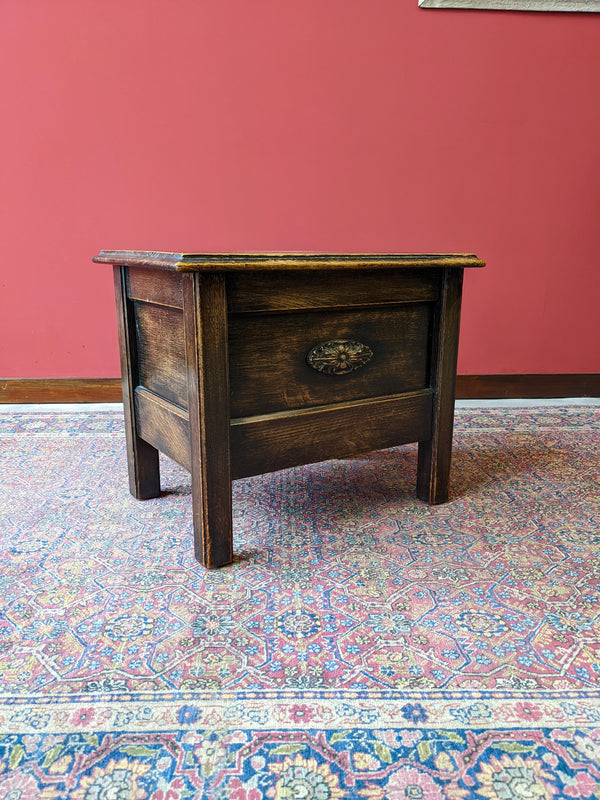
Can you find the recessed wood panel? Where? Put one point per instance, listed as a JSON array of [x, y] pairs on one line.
[[268, 365], [161, 351], [288, 291], [277, 441], [163, 425]]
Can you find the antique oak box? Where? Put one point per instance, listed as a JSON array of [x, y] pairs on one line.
[[239, 364]]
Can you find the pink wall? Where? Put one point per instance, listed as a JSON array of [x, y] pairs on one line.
[[288, 124]]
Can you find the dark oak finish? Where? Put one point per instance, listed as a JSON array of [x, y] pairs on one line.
[[164, 425], [435, 452], [302, 262], [205, 316], [277, 441], [161, 351], [270, 291], [269, 370], [142, 457], [163, 289], [239, 364]]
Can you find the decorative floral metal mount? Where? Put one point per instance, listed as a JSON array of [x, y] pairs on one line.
[[339, 356]]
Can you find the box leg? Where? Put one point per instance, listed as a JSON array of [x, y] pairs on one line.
[[205, 321], [435, 454], [142, 457]]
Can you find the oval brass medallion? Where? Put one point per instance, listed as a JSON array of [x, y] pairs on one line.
[[339, 356]]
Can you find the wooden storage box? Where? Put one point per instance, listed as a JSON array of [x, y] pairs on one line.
[[239, 364]]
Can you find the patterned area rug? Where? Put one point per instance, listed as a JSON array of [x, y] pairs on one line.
[[362, 645]]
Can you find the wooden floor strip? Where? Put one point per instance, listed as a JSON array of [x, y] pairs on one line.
[[60, 390], [468, 387]]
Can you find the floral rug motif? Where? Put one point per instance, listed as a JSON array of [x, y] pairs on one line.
[[362, 645]]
